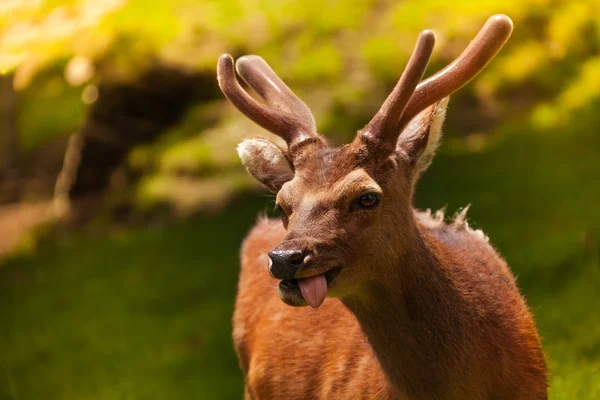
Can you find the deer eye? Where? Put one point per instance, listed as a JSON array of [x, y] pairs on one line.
[[279, 209], [282, 213], [367, 201]]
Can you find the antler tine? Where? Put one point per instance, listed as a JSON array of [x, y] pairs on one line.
[[281, 123], [260, 76], [473, 59], [384, 125]]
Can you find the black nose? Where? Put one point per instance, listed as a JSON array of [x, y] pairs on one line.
[[285, 263]]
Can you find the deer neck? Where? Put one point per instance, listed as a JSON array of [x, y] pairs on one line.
[[411, 319]]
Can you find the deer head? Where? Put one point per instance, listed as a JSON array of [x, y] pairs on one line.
[[348, 210]]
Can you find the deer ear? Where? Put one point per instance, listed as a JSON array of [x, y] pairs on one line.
[[421, 137], [266, 162]]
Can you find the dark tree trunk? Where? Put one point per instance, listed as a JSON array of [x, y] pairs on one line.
[[129, 114], [9, 141], [9, 135]]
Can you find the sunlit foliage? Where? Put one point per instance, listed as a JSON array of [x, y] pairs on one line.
[[341, 57]]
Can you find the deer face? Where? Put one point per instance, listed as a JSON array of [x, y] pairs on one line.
[[345, 209], [340, 208]]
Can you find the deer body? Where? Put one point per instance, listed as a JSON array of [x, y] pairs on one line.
[[277, 358], [446, 336], [418, 308]]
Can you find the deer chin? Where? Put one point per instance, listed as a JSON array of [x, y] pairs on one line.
[[310, 291]]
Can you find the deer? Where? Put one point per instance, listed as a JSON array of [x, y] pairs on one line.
[[404, 304]]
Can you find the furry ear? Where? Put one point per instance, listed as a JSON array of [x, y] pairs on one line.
[[266, 162], [421, 137]]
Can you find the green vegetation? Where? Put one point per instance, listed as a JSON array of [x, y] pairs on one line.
[[145, 313], [342, 58]]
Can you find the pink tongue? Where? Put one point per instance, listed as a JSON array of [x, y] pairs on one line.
[[314, 290]]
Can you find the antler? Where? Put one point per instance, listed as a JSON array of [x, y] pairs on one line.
[[397, 111], [383, 126], [287, 115], [469, 64]]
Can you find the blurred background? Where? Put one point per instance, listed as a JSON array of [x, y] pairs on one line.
[[123, 203]]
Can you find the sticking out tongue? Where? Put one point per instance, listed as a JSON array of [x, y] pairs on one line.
[[314, 290]]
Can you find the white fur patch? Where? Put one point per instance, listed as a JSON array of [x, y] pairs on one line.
[[436, 220], [436, 120], [266, 162], [431, 220], [427, 122]]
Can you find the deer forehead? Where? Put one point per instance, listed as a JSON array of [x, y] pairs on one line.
[[354, 183]]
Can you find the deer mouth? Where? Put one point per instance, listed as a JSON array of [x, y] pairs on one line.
[[307, 291]]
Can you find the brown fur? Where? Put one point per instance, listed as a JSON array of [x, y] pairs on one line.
[[418, 309], [297, 353], [426, 310]]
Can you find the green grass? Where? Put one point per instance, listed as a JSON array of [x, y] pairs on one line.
[[536, 194], [145, 313]]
